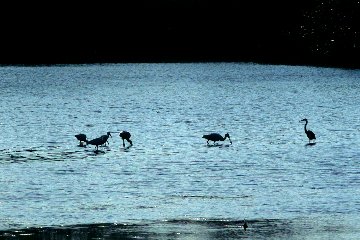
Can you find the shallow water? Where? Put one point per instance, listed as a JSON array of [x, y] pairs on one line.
[[170, 176]]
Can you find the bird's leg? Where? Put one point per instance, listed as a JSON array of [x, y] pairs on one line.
[[207, 142], [123, 143]]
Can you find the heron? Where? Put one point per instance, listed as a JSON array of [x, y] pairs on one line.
[[81, 137], [310, 134], [125, 135], [216, 137]]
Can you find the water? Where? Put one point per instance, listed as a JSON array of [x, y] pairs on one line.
[[170, 183]]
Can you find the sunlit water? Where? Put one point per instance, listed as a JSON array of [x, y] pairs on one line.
[[269, 175]]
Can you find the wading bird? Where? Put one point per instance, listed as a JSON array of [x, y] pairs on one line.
[[245, 226], [108, 134], [309, 134], [96, 142], [99, 141], [125, 135], [216, 137], [81, 137]]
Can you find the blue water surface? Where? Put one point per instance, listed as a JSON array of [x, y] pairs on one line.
[[170, 174]]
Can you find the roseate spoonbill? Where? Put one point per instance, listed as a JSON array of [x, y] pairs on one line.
[[216, 137]]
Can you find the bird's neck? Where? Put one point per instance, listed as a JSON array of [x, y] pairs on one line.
[[305, 126]]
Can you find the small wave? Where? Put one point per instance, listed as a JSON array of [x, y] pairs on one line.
[[41, 154], [210, 197]]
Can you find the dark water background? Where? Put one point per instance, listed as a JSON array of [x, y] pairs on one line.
[[170, 184]]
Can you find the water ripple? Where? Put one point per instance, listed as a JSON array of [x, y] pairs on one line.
[[269, 172]]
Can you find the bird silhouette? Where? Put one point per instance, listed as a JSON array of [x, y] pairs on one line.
[[81, 137], [125, 135], [216, 137], [99, 141], [108, 134], [245, 225], [309, 134]]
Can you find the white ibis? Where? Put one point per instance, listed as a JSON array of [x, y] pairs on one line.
[[309, 134], [216, 137], [125, 135]]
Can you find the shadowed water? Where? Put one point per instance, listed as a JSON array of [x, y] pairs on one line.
[[170, 181]]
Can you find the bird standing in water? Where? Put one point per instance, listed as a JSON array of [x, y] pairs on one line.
[[96, 141], [309, 134], [81, 137], [99, 141], [125, 135], [106, 137], [216, 137], [245, 226]]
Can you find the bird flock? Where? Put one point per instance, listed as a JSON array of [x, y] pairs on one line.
[[102, 140], [214, 137]]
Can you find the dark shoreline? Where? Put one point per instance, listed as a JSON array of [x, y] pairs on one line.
[[172, 229], [311, 33], [303, 228], [346, 66]]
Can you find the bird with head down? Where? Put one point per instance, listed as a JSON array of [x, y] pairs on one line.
[[99, 141], [216, 137], [125, 135]]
